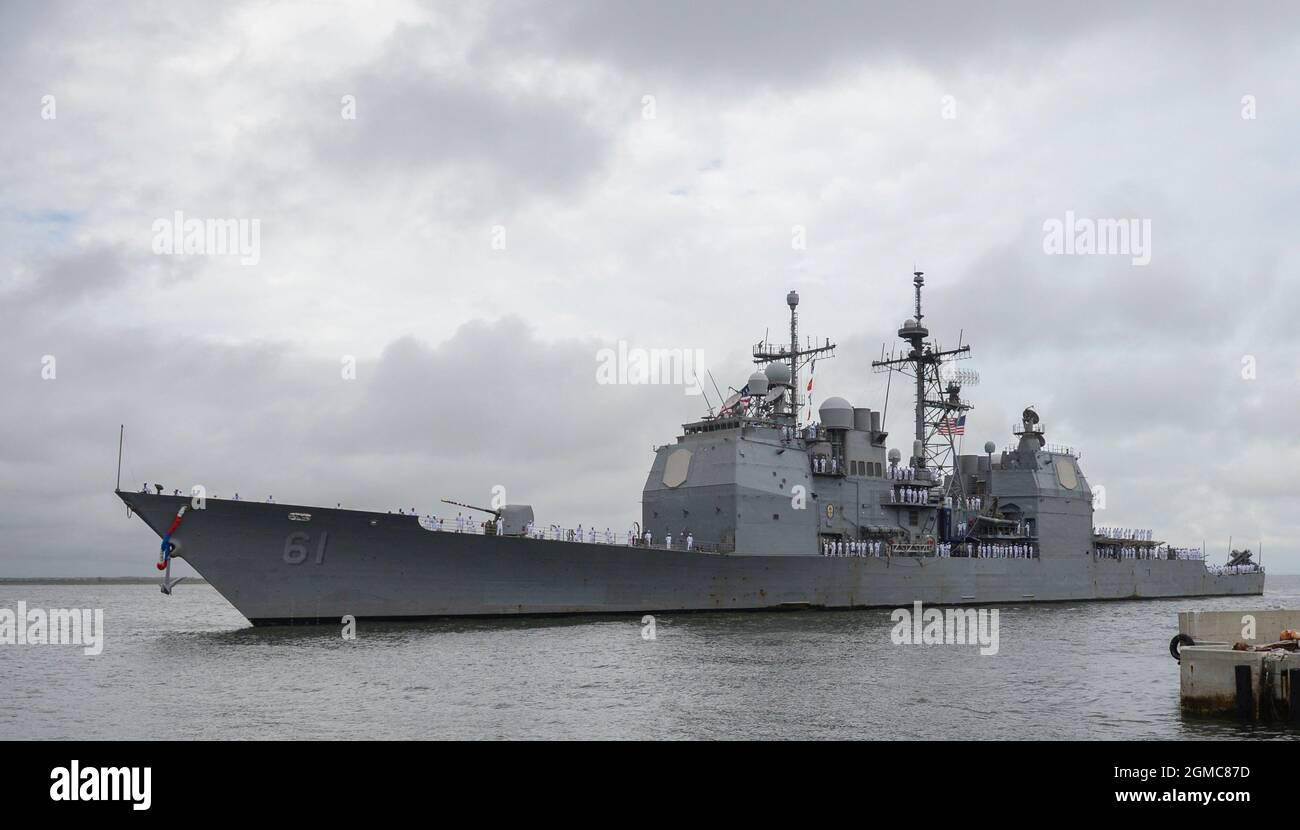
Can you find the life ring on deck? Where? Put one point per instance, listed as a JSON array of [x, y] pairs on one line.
[[1180, 639]]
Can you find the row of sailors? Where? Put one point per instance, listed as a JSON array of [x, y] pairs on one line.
[[843, 547], [909, 495], [1125, 552], [557, 533], [822, 464], [944, 550], [1144, 552], [898, 473], [648, 539], [563, 534], [998, 550], [1140, 535], [970, 502], [1222, 570], [461, 524]]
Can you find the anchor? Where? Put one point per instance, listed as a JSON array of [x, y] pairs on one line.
[[165, 554], [167, 582]]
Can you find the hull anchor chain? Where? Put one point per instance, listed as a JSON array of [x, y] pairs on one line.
[[167, 549]]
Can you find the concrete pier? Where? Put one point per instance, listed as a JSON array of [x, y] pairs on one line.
[[1216, 679]]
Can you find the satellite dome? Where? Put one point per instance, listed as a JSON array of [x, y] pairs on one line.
[[989, 447], [778, 374], [836, 413], [895, 456], [909, 323], [758, 384], [792, 299]]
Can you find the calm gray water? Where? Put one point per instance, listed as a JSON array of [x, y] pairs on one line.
[[189, 666]]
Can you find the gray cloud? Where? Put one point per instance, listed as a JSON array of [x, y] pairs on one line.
[[475, 366], [413, 121], [791, 44]]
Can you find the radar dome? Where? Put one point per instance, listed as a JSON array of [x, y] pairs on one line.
[[989, 447], [758, 384], [836, 413], [895, 456], [778, 374]]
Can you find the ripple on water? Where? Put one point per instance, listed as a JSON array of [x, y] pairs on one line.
[[1086, 670]]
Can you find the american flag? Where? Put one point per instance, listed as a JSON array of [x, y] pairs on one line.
[[950, 427], [808, 405]]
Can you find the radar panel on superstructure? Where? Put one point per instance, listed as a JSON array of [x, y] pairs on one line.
[[1065, 473], [677, 467]]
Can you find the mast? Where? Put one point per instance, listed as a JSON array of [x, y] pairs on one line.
[[792, 300], [767, 352], [938, 392], [915, 339], [121, 434]]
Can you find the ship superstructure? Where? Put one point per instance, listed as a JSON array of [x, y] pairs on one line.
[[755, 480]]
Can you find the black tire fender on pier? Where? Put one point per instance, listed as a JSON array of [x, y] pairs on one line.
[[1177, 643]]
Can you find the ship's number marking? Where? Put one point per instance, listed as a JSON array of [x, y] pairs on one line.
[[296, 547]]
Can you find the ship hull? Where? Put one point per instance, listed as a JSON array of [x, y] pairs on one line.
[[275, 570]]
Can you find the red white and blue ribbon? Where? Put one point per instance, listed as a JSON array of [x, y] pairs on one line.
[[165, 555]]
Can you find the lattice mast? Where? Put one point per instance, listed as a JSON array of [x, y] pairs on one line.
[[797, 357], [938, 401]]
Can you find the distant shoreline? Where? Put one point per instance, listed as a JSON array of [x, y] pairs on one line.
[[90, 580]]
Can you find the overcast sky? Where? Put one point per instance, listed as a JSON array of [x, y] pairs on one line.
[[472, 201]]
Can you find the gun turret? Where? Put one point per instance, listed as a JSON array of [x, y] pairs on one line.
[[472, 507], [515, 518]]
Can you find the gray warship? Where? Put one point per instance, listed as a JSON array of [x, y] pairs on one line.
[[756, 506]]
